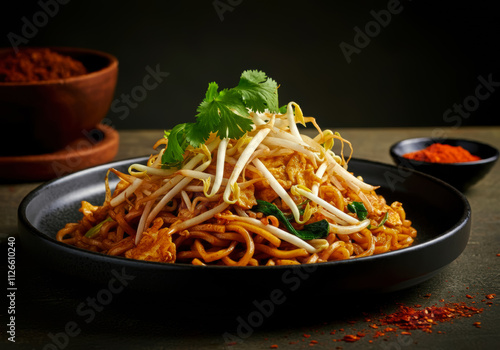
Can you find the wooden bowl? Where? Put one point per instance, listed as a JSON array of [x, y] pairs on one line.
[[45, 116]]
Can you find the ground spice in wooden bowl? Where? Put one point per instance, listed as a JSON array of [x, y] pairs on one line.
[[38, 64]]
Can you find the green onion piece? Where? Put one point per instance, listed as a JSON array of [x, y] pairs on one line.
[[359, 209], [386, 216], [381, 222], [95, 230], [315, 230]]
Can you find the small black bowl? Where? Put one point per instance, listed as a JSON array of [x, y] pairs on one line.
[[460, 175]]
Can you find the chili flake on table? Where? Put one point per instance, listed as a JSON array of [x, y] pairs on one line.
[[409, 318], [405, 320]]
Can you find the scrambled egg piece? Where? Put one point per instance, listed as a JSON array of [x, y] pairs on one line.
[[247, 200], [394, 219], [155, 245], [300, 171]]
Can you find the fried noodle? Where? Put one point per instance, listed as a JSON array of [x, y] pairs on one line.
[[202, 212]]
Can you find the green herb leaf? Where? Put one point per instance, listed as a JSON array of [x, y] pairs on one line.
[[359, 209], [258, 91], [224, 113], [95, 230], [177, 143], [318, 229]]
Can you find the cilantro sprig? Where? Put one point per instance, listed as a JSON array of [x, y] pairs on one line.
[[225, 113]]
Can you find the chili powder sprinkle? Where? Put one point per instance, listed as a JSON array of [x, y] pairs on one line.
[[409, 318], [40, 64], [441, 153], [350, 338]]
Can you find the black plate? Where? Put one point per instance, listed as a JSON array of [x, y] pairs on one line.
[[440, 213]]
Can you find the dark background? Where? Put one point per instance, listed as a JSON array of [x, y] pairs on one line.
[[427, 58]]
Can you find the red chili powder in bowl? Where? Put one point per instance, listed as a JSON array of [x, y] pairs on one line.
[[30, 65], [441, 153]]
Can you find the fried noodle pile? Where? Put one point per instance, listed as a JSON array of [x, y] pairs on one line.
[[205, 211]]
